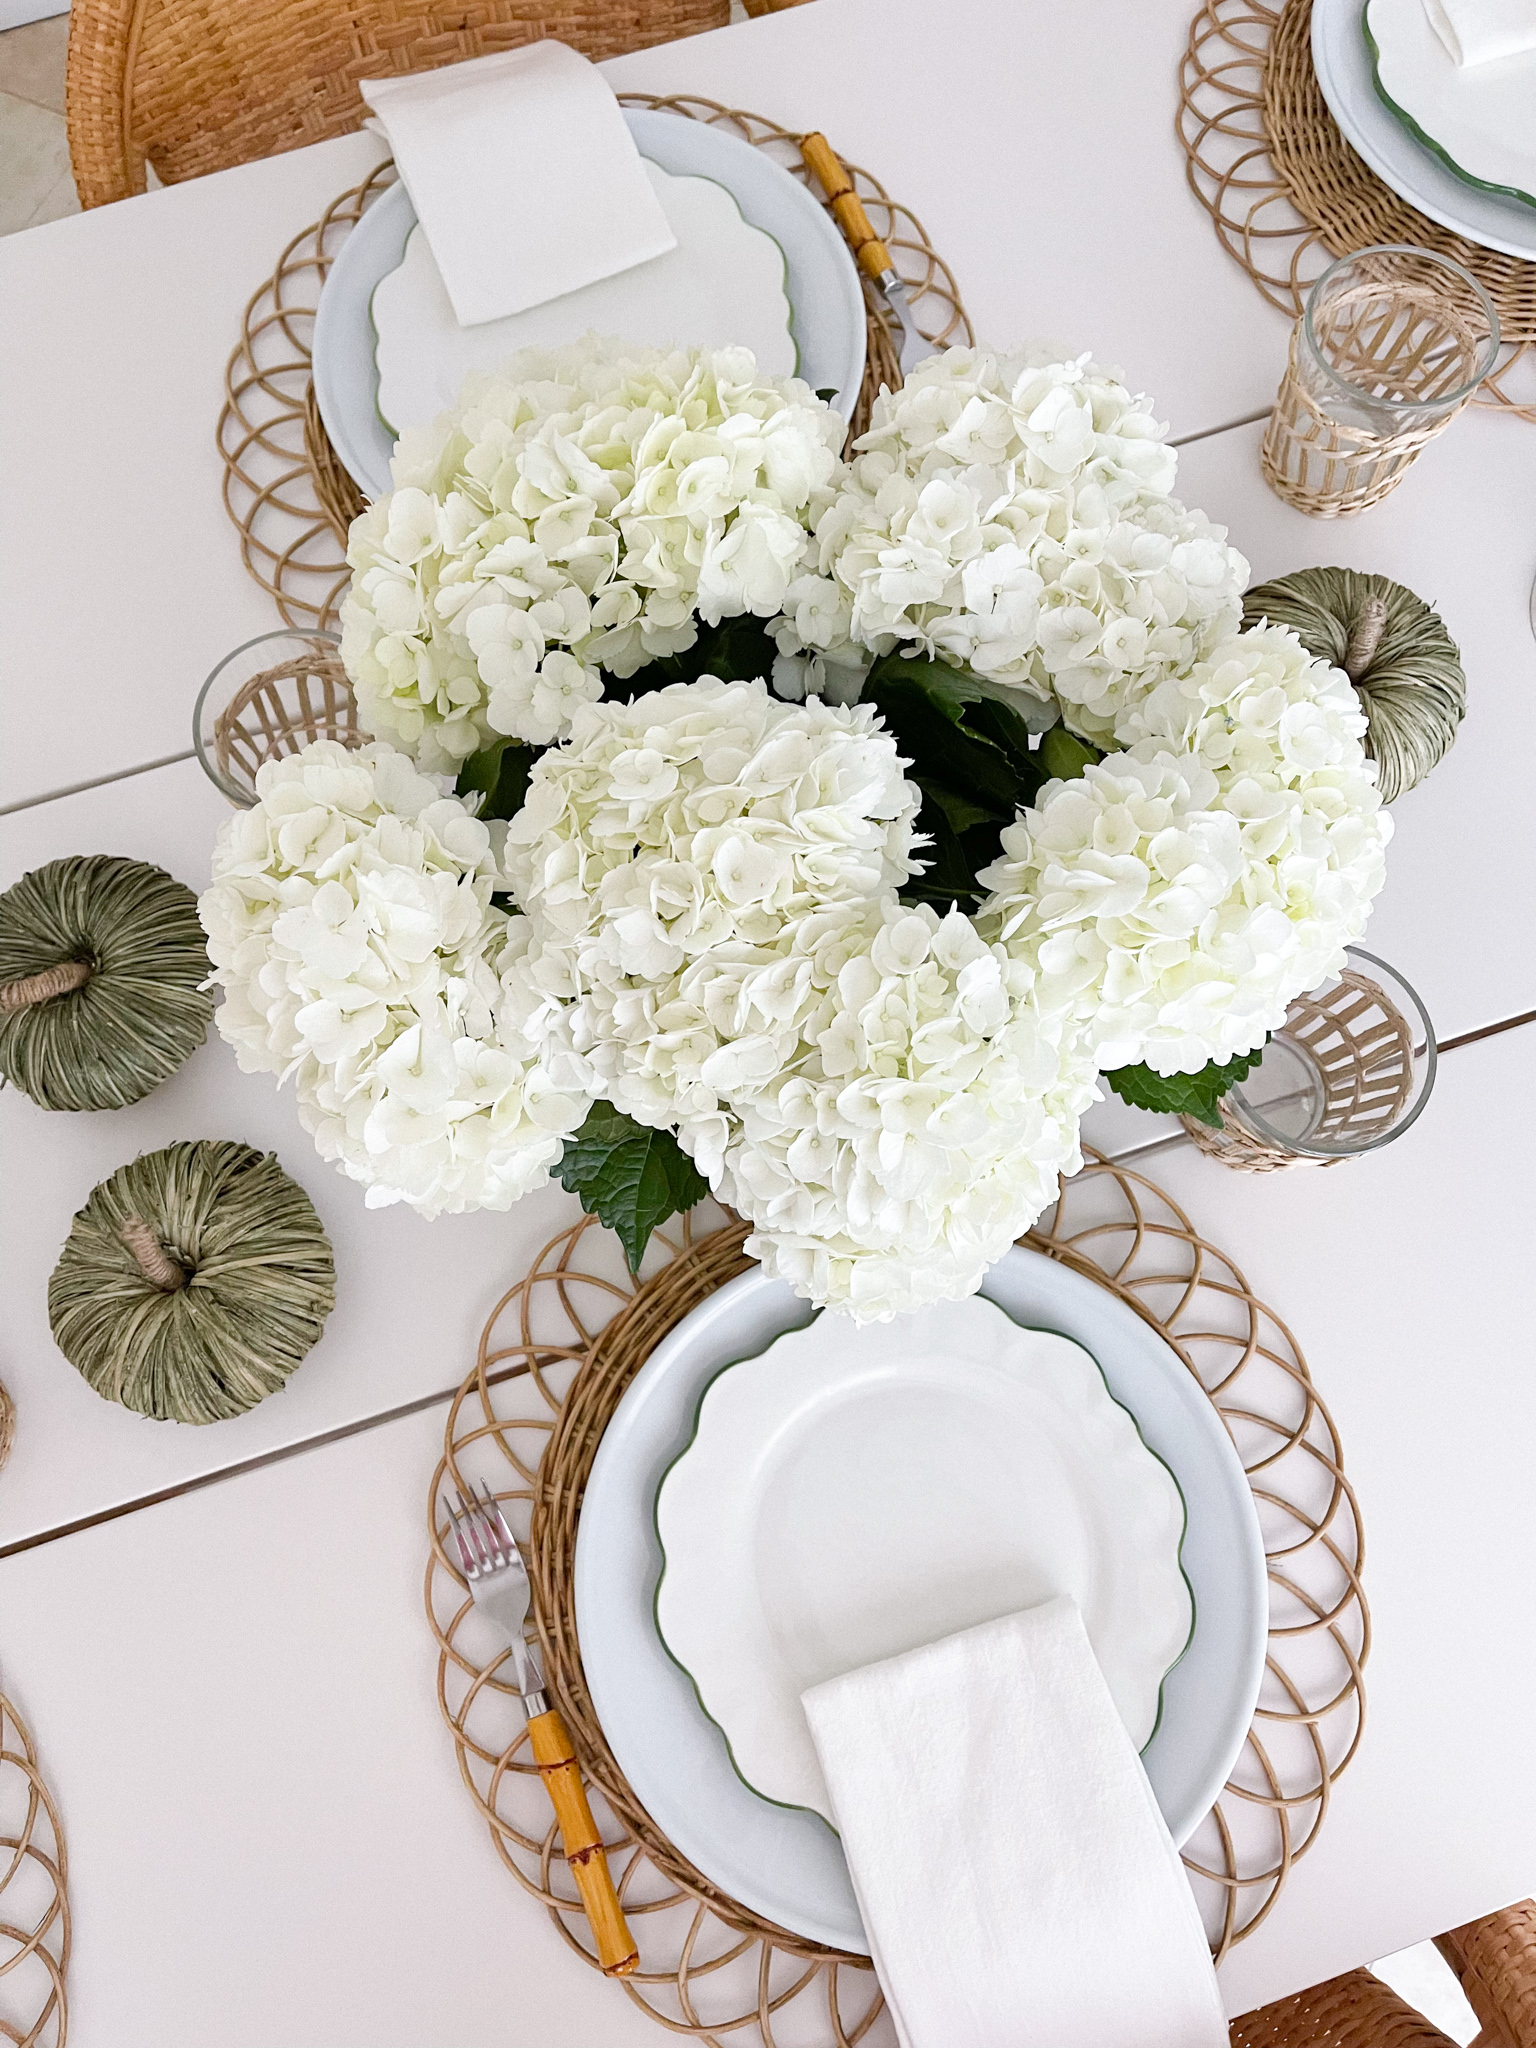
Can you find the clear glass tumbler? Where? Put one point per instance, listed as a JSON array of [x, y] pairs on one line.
[[1349, 1070], [1393, 341], [271, 696]]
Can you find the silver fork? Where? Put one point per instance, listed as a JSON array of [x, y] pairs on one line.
[[498, 1585]]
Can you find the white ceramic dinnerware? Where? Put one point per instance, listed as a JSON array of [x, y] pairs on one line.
[[1342, 62], [722, 285], [801, 1540], [785, 1862], [820, 279], [1479, 120]]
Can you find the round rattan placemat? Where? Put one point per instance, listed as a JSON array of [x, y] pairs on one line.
[[34, 1896], [554, 1361], [1285, 191], [284, 487]]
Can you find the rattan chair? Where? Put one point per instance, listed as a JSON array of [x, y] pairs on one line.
[[1494, 1958], [197, 85]]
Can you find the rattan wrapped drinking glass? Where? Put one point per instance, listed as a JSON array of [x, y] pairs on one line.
[[1349, 1070], [272, 696], [1392, 343]]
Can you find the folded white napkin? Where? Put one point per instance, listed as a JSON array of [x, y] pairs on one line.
[[1016, 1879], [1478, 31], [523, 176]]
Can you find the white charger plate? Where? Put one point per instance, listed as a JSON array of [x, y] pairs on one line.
[[802, 1542], [822, 281], [787, 1864], [721, 287], [1480, 121], [1343, 66]]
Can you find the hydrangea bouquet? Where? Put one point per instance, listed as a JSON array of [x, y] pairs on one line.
[[818, 832]]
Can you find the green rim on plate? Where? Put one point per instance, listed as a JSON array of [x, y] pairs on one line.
[[1428, 141]]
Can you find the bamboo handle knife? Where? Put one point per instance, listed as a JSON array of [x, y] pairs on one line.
[[823, 162]]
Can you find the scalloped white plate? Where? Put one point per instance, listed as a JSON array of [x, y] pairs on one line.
[[825, 297], [784, 1862], [722, 286], [1343, 66], [1480, 120], [853, 1493]]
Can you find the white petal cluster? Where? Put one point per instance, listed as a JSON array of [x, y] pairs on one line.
[[916, 1129], [351, 929], [669, 853], [579, 509], [1179, 894], [1013, 514], [711, 878]]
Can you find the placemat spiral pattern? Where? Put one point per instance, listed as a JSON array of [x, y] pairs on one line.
[[284, 488], [555, 1359], [34, 1896], [1285, 191]]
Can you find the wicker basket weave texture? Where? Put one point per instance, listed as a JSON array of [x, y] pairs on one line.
[[198, 85], [1495, 1959]]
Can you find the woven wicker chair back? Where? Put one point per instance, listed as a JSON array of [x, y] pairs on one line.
[[197, 85]]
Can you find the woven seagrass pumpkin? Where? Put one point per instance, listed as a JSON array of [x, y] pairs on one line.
[[192, 1282], [101, 965], [1394, 649]]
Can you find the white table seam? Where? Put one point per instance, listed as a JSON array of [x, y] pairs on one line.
[[30, 803], [1123, 1155]]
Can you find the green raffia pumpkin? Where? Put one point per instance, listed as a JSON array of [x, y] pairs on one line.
[[192, 1282], [1394, 649], [101, 965]]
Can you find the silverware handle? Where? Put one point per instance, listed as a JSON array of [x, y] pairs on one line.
[[827, 167], [555, 1756]]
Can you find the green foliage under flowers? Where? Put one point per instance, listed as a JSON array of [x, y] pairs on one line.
[[1193, 1095], [628, 1176], [973, 761]]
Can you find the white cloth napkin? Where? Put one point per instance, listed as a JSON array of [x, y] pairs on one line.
[[1016, 1879], [1478, 31], [523, 175]]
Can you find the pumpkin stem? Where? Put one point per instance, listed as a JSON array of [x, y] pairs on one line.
[[1365, 637], [158, 1268], [43, 986]]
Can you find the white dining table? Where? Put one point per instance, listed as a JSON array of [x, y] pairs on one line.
[[217, 1634]]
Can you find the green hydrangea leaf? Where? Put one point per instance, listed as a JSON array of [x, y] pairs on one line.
[[499, 774], [1193, 1095], [628, 1176], [1062, 754], [737, 650]]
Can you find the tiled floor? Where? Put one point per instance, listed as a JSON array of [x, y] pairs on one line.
[[35, 183]]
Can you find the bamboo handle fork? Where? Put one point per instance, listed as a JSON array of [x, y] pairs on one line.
[[498, 1585]]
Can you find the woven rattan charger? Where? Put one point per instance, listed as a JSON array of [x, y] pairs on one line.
[[284, 487], [554, 1361], [1285, 191]]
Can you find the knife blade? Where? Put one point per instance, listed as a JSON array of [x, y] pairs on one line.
[[874, 258]]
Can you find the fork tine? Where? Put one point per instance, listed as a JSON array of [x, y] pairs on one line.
[[457, 1518], [507, 1543], [472, 1536]]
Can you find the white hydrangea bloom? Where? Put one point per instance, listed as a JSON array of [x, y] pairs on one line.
[[918, 1126], [674, 857], [579, 509], [350, 927], [1012, 514], [1178, 895]]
